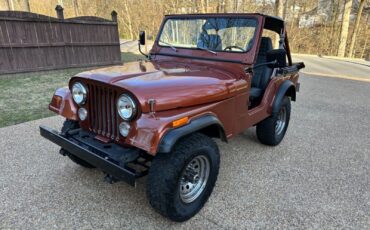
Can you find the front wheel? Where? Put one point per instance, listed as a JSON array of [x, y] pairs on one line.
[[271, 131], [180, 182]]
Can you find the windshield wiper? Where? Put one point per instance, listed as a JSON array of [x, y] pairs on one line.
[[170, 45], [208, 50]]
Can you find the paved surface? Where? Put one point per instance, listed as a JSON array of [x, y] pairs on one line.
[[319, 177], [330, 66], [132, 46]]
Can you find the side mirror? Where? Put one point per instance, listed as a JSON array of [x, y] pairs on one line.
[[142, 38], [278, 56]]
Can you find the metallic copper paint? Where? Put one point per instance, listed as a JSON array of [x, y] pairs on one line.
[[66, 107], [182, 87]]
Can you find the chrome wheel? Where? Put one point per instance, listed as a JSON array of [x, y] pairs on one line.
[[193, 179], [281, 121]]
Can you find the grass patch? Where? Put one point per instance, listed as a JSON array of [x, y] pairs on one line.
[[128, 57], [25, 97]]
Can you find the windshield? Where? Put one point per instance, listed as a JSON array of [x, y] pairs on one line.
[[219, 34]]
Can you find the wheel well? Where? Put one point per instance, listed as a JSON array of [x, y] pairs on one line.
[[291, 93], [214, 131], [208, 125]]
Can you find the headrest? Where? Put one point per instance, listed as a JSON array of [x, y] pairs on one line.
[[266, 45]]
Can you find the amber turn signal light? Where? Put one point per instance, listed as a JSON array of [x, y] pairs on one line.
[[56, 101], [180, 122]]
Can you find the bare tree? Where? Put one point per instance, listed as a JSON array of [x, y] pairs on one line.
[[279, 11], [135, 15], [221, 6], [285, 10], [129, 20], [203, 6], [357, 25], [235, 6], [345, 27], [10, 4], [366, 39], [76, 7], [25, 5]]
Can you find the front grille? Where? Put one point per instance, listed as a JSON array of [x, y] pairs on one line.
[[103, 111]]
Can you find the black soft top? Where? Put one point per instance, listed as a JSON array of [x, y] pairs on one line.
[[274, 23]]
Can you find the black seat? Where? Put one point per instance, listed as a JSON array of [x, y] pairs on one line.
[[262, 74]]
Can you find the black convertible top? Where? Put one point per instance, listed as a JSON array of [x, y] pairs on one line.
[[274, 23]]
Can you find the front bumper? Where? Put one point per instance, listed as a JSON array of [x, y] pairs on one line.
[[124, 164]]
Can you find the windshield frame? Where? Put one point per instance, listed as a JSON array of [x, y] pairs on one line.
[[205, 16]]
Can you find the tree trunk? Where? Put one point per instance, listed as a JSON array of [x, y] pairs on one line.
[[25, 5], [125, 3], [357, 25], [366, 40], [75, 7], [345, 27], [203, 6], [7, 5], [235, 6], [285, 9], [293, 16], [278, 12], [221, 6], [333, 31], [10, 4]]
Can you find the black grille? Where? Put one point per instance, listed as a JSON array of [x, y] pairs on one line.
[[103, 111]]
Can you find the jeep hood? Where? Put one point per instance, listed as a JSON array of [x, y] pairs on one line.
[[171, 85]]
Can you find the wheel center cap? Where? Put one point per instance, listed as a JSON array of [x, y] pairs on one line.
[[191, 177]]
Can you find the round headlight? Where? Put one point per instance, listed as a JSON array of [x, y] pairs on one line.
[[79, 93], [126, 107]]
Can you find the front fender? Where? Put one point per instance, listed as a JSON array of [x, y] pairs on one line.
[[170, 138], [62, 104]]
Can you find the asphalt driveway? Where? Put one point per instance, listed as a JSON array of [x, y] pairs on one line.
[[319, 177]]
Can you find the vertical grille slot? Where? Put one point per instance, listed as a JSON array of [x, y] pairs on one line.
[[102, 109]]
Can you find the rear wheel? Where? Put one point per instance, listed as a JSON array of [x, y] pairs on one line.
[[180, 182], [271, 131], [69, 125]]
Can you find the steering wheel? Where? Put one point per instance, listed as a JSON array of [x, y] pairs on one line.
[[236, 47]]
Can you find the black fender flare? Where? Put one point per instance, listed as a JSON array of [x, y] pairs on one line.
[[170, 138], [287, 88]]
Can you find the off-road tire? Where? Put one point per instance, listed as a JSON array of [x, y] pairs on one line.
[[163, 183], [266, 129], [69, 125]]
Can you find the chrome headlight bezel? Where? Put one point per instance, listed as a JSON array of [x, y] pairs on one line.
[[79, 88], [124, 101]]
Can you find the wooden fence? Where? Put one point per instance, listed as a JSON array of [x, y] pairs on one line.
[[33, 42]]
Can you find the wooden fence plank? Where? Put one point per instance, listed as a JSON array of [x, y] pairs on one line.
[[32, 42]]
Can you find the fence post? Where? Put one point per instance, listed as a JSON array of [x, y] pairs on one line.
[[114, 16], [59, 9]]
